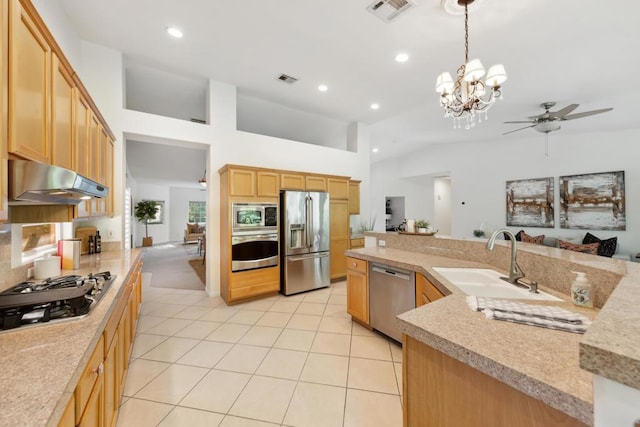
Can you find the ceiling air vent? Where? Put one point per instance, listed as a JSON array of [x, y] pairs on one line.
[[388, 10], [287, 79]]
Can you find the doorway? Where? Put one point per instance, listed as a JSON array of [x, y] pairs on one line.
[[394, 212], [442, 204]]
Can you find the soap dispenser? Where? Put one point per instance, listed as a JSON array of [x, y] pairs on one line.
[[581, 294]]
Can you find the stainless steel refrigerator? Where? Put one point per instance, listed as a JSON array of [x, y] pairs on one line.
[[304, 234]]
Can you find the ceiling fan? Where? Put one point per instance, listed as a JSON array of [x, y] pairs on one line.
[[549, 121]]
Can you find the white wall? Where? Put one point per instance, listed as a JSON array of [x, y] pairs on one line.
[[479, 171], [179, 214]]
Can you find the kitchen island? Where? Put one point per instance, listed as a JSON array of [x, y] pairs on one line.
[[42, 365], [542, 364]]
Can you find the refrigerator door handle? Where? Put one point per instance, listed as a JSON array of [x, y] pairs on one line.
[[310, 227], [303, 257]]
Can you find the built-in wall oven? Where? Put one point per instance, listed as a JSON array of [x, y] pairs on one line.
[[254, 237]]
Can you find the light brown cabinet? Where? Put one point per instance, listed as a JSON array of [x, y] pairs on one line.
[[62, 115], [29, 87], [4, 32], [292, 181], [109, 177], [358, 289], [89, 379], [339, 231], [68, 418], [442, 391], [426, 291], [357, 243], [338, 188], [268, 184], [354, 197], [242, 183], [315, 183]]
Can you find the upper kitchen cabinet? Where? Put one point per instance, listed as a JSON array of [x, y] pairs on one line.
[[354, 197], [62, 115], [82, 141], [315, 183], [268, 184], [242, 183], [338, 188], [109, 177], [291, 181], [29, 87]]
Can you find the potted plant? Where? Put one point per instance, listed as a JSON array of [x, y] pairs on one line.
[[145, 211], [422, 225]]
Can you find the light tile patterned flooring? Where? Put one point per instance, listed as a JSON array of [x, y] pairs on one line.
[[290, 361]]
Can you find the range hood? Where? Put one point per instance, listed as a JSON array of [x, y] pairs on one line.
[[33, 183]]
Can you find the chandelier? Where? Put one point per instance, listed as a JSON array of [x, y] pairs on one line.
[[469, 96]]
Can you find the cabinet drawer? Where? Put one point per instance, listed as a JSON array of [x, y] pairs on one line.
[[355, 264], [92, 371], [357, 243]]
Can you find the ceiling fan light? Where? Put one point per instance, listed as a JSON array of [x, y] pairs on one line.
[[444, 83], [496, 75], [473, 70], [546, 127]]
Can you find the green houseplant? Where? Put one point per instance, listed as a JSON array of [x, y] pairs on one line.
[[145, 211], [422, 225]]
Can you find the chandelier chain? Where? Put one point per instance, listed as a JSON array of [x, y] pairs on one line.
[[466, 34]]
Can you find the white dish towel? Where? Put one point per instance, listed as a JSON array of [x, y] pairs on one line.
[[551, 317]]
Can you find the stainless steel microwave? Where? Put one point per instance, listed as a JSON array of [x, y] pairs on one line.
[[254, 217]]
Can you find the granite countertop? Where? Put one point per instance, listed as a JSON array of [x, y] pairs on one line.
[[518, 355], [42, 365]]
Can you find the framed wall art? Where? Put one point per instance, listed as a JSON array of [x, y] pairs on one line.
[[530, 202], [159, 219], [594, 201]]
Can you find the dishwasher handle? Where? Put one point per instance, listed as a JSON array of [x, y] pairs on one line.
[[390, 272]]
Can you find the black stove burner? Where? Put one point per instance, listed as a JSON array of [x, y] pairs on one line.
[[51, 299]]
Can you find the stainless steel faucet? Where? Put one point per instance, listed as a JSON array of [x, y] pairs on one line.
[[515, 273]]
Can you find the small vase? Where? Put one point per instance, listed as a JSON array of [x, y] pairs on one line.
[[422, 230]]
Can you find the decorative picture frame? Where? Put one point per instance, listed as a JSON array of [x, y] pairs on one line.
[[159, 218], [594, 201], [530, 202]]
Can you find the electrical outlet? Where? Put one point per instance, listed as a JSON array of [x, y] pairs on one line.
[[382, 243], [30, 273], [110, 233]]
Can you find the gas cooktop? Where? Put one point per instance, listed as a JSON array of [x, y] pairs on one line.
[[53, 299]]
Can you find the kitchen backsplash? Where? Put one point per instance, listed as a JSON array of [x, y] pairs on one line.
[[9, 276]]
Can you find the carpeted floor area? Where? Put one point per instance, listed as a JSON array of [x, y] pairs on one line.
[[169, 266]]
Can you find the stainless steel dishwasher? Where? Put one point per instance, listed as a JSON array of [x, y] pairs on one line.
[[392, 291]]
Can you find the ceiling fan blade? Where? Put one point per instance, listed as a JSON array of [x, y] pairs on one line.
[[521, 121], [526, 127], [585, 114], [564, 111]]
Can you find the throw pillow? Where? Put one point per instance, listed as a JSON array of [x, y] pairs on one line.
[[524, 237], [606, 248], [591, 248], [518, 234], [190, 228]]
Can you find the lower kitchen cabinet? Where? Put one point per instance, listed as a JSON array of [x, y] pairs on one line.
[[94, 409], [426, 291], [88, 381], [339, 241], [439, 390], [358, 290], [69, 415]]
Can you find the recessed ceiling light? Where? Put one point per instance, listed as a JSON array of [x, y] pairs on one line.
[[375, 150], [402, 57], [323, 88], [375, 106], [174, 32]]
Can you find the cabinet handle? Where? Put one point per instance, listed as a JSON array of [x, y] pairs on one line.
[[99, 370], [354, 264]]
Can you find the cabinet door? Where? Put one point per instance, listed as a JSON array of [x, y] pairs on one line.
[[242, 182], [29, 88], [95, 155], [358, 296], [94, 411], [315, 183], [109, 177], [62, 115], [82, 148], [292, 181], [338, 188], [68, 418], [4, 212], [268, 184], [339, 230], [426, 291], [90, 376], [111, 384], [99, 207], [354, 197]]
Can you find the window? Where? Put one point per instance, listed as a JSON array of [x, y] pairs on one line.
[[197, 212]]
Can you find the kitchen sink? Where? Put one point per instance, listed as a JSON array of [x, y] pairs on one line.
[[483, 282]]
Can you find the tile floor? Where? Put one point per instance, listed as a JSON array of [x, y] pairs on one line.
[[289, 361]]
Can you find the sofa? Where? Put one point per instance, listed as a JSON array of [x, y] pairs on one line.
[[193, 233]]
